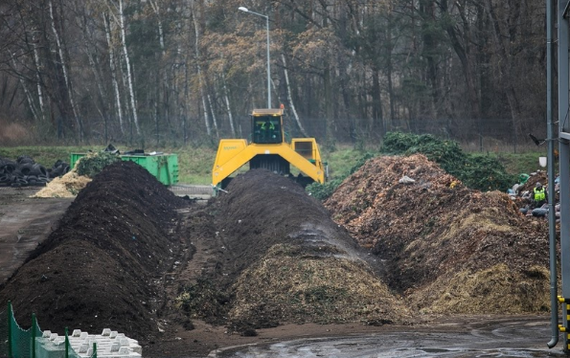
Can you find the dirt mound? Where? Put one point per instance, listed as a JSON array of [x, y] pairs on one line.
[[446, 247], [103, 266], [285, 260]]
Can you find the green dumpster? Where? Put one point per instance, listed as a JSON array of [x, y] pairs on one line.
[[163, 167]]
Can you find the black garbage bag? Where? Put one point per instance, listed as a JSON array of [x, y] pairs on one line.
[[539, 212], [111, 148]]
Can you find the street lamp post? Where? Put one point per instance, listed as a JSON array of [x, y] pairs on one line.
[[244, 9]]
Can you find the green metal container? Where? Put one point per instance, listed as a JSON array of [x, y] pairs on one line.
[[163, 167]]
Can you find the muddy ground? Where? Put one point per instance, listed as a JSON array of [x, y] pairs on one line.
[[24, 222], [266, 262]]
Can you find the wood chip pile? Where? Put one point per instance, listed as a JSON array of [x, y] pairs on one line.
[[67, 186], [447, 248]]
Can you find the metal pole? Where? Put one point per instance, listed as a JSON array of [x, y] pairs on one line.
[[552, 194], [244, 9], [564, 159], [268, 67], [10, 337], [33, 329]]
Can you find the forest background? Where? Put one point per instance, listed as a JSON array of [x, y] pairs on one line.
[[189, 72]]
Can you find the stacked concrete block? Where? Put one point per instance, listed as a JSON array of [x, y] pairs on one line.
[[110, 344]]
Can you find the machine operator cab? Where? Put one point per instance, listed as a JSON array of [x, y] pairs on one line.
[[267, 126]]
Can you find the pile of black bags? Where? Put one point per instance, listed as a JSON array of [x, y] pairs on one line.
[[24, 171]]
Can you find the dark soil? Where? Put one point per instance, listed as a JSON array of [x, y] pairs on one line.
[[104, 266]]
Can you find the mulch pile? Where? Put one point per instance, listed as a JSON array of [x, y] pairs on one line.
[[102, 267], [447, 248]]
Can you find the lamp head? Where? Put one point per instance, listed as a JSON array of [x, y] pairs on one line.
[[244, 9]]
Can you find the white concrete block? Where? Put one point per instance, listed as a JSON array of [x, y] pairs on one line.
[[110, 344], [136, 348]]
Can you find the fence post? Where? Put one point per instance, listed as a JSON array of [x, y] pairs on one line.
[[34, 324], [66, 344], [10, 338]]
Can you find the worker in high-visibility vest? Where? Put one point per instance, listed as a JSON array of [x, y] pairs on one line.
[[539, 195]]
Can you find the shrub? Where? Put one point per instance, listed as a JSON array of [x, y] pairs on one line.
[[92, 164], [477, 171]]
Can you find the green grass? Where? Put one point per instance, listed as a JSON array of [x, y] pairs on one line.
[[195, 165], [342, 161], [522, 163]]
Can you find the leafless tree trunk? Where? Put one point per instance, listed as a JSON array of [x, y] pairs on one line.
[[65, 74], [27, 93], [129, 73], [99, 101], [39, 83], [290, 97], [113, 69], [228, 107], [462, 50], [503, 39], [200, 80], [214, 120]]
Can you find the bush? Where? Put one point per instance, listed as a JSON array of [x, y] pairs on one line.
[[92, 164], [476, 171], [323, 191]]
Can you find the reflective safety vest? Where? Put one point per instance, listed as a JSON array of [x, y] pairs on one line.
[[539, 194], [264, 126]]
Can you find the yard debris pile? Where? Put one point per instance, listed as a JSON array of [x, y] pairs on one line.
[[103, 266], [285, 260], [447, 248]]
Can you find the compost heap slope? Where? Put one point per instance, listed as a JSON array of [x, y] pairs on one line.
[[101, 268], [448, 248], [294, 264]]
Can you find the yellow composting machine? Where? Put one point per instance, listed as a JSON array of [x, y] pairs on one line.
[[269, 149]]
